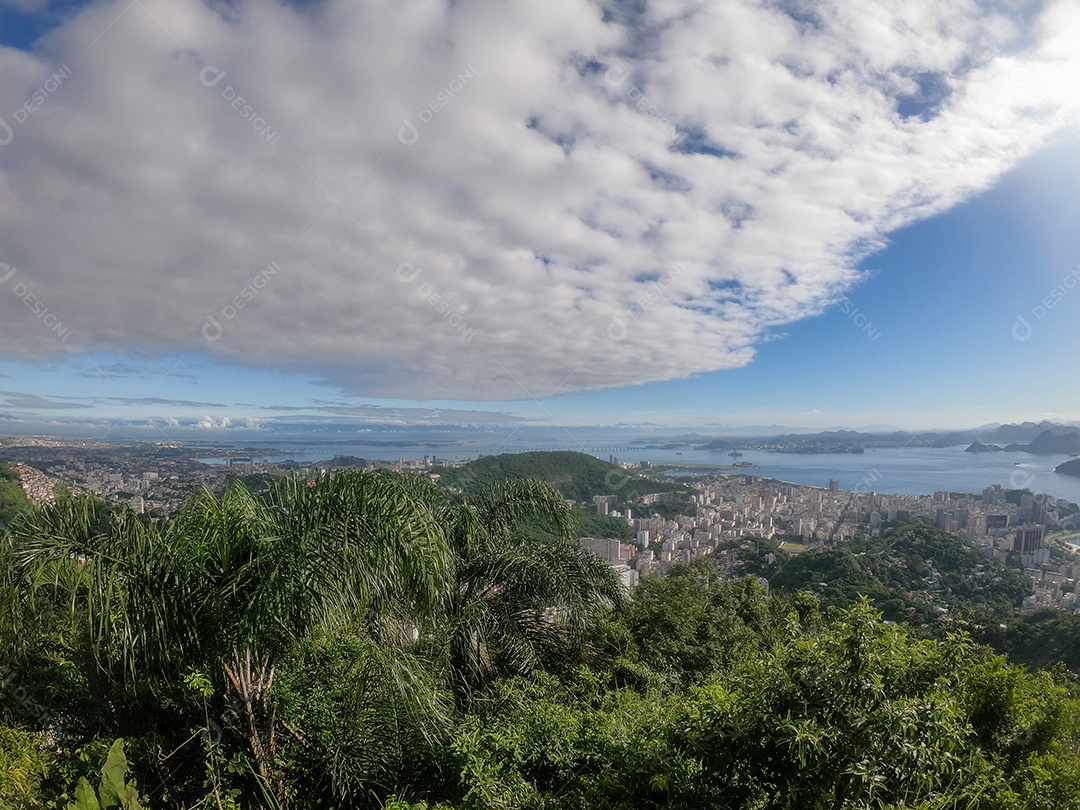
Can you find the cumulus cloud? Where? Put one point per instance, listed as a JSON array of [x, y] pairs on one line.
[[211, 422], [482, 200]]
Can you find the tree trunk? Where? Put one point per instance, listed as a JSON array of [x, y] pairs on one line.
[[248, 695]]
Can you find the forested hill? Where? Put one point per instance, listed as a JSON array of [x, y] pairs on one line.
[[927, 579], [578, 476], [914, 574], [1071, 467]]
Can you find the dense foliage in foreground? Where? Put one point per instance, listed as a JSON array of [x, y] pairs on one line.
[[368, 640]]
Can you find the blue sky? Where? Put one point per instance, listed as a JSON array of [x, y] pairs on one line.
[[937, 348], [537, 215]]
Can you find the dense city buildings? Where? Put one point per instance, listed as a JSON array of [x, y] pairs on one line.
[[745, 507], [155, 477]]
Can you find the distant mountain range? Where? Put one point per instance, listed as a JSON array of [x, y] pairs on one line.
[[840, 441], [1024, 432], [1041, 438], [1046, 443]]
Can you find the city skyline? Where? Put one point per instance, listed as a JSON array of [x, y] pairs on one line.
[[552, 214]]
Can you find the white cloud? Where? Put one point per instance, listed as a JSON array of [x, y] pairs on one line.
[[212, 422], [527, 199]]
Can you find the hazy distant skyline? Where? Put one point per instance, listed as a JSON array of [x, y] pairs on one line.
[[561, 212]]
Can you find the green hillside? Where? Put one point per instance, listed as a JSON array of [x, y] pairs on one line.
[[578, 476], [1040, 638], [915, 574], [12, 498]]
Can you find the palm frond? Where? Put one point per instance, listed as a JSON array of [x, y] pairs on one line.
[[519, 604]]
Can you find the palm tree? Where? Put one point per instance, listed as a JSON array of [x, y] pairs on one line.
[[519, 603], [236, 582]]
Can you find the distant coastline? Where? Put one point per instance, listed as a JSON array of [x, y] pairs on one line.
[[910, 469], [889, 470]]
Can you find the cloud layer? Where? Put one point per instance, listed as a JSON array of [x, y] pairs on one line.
[[478, 200]]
